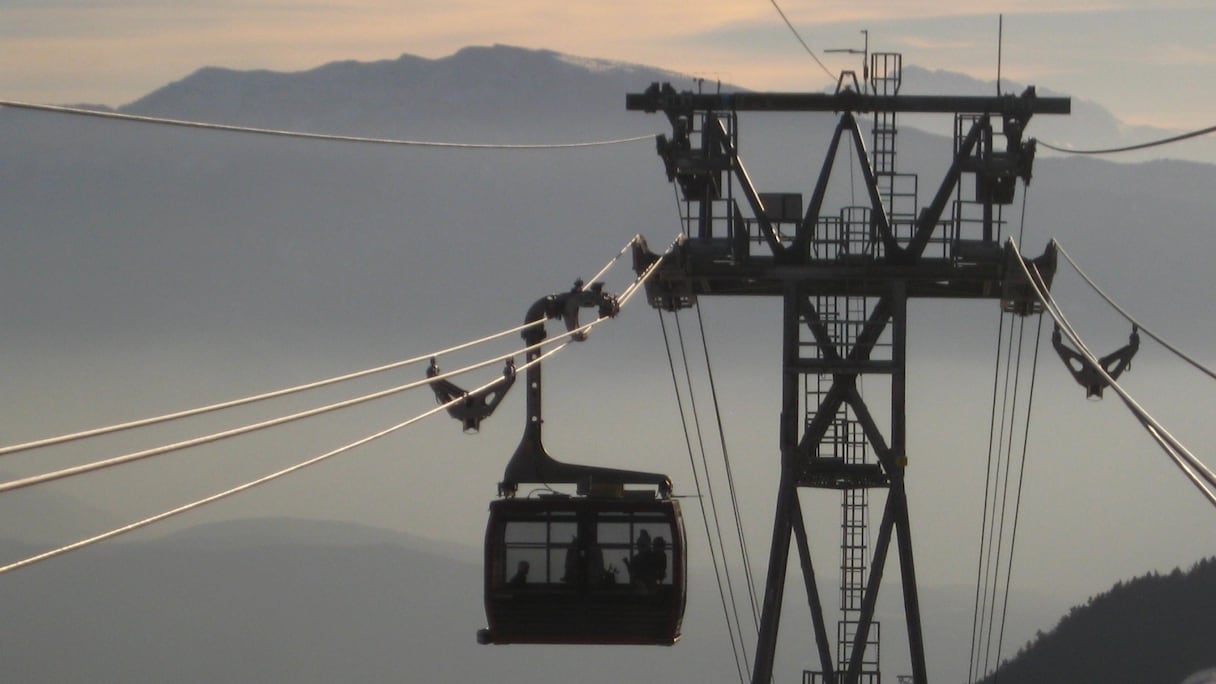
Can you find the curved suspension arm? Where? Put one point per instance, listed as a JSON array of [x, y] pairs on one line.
[[1083, 370], [531, 463], [477, 405]]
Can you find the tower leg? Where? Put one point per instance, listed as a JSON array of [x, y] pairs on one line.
[[774, 590], [787, 494]]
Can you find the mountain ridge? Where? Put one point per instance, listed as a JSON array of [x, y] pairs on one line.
[[501, 85], [584, 85]]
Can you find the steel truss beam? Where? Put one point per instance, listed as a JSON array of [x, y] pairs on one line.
[[663, 98]]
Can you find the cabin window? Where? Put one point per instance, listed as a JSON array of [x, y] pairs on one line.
[[615, 548], [639, 546], [534, 551]]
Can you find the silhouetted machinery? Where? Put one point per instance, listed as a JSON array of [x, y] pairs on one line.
[[604, 565], [1087, 375]]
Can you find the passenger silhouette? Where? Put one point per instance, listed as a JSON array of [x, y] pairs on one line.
[[570, 575], [659, 560], [521, 575], [641, 564], [596, 572]]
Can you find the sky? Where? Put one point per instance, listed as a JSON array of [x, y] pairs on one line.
[[1148, 66]]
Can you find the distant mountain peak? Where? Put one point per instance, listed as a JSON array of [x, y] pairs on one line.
[[499, 85]]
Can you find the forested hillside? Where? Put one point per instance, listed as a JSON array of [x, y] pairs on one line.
[[1155, 628]]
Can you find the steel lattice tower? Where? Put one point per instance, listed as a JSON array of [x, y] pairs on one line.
[[844, 278]]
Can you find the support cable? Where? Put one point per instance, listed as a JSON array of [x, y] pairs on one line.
[[299, 466], [730, 477], [1150, 422], [991, 527], [1000, 527], [214, 437], [95, 432], [1207, 371], [628, 245], [641, 280], [976, 620], [252, 483], [1200, 475], [675, 192], [235, 432], [734, 647], [116, 116], [797, 35], [1022, 467], [996, 620], [1017, 505], [709, 484], [1129, 148], [992, 531]]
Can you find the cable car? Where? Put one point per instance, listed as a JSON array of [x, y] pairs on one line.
[[604, 565], [584, 570]]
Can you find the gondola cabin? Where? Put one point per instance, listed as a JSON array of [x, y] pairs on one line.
[[584, 570], [605, 566]]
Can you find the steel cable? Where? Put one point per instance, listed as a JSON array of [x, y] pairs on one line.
[[797, 35], [1207, 371], [1131, 403], [251, 484], [1000, 527], [116, 116], [1017, 505], [976, 619], [1195, 470], [246, 429], [600, 274], [95, 432], [730, 477], [992, 484], [709, 485], [1130, 148], [1199, 474], [572, 334], [645, 276], [734, 646], [235, 432]]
